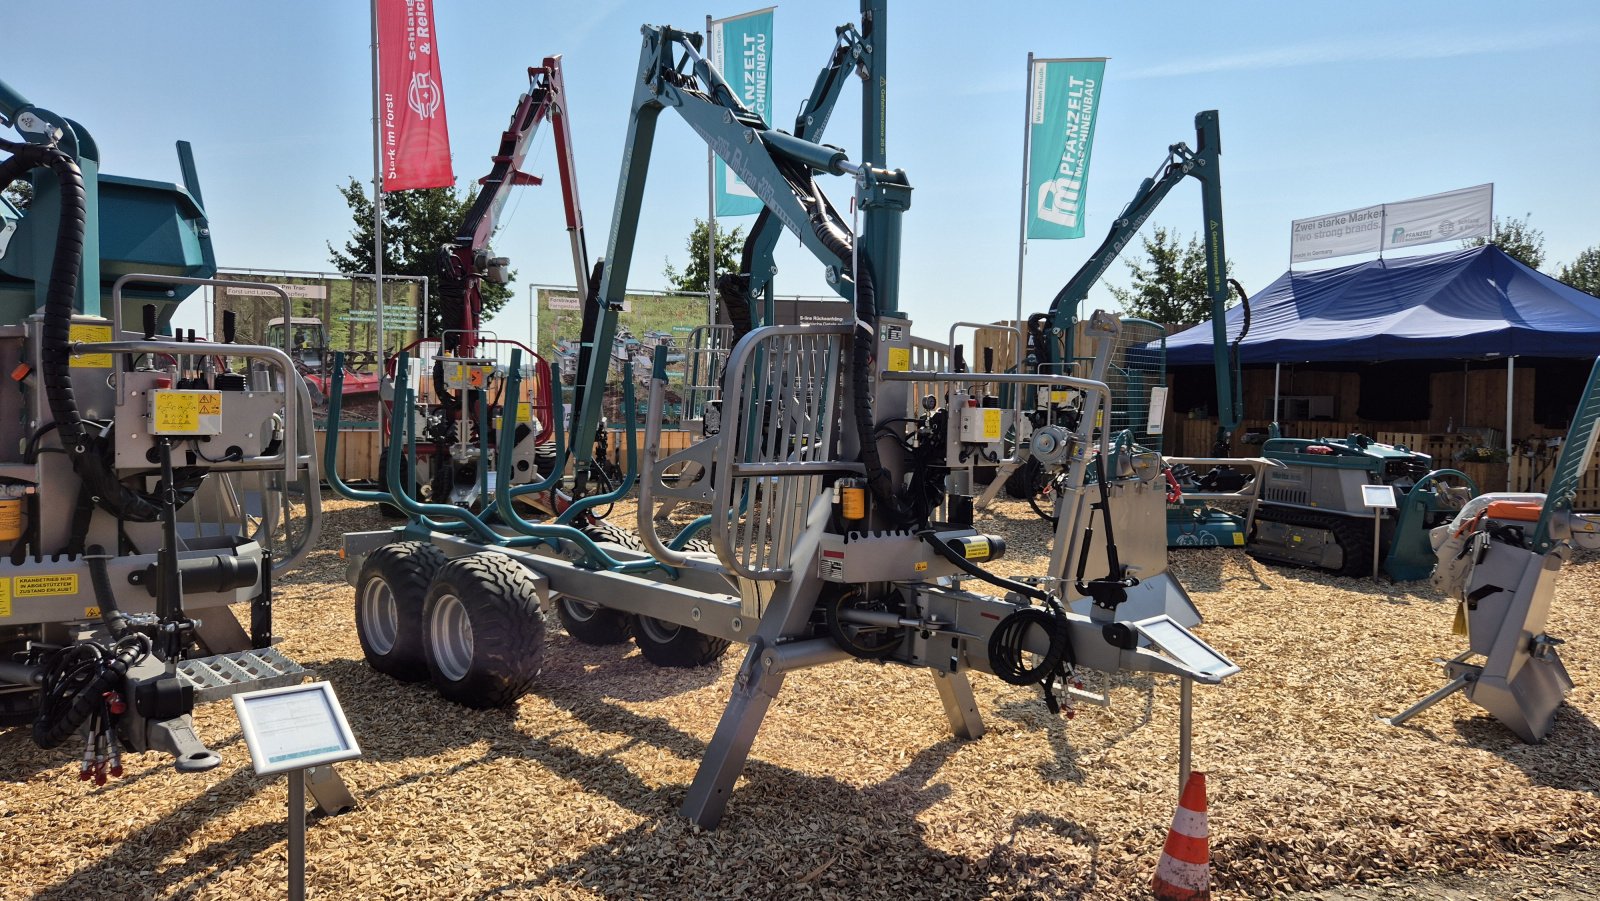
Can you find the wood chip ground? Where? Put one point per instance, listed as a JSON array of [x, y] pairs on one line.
[[855, 787]]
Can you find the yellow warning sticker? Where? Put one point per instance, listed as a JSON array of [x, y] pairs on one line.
[[210, 403], [91, 613], [920, 566], [85, 334], [899, 359], [45, 586], [1238, 539], [177, 412], [1060, 395], [5, 597], [991, 424], [975, 548]]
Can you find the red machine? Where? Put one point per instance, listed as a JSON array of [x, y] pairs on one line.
[[465, 373]]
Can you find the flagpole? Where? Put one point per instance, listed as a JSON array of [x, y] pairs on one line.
[[1022, 226], [377, 201], [711, 212]]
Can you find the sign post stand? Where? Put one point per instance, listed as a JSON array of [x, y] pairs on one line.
[[289, 730]]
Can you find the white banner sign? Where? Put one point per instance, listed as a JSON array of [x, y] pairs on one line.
[[1450, 216], [302, 292], [1341, 234]]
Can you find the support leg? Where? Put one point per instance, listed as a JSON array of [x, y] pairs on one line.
[[753, 691], [1450, 688], [955, 692], [328, 790]]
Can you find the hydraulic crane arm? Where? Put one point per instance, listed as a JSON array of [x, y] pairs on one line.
[[776, 165], [466, 261], [736, 291], [1049, 331]]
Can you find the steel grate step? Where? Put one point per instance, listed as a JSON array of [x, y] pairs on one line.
[[225, 675]]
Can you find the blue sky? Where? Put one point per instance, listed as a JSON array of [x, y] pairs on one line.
[[1323, 107]]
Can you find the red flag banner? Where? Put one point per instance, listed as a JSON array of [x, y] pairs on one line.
[[416, 140]]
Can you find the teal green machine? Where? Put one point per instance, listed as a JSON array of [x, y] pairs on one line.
[[116, 620]]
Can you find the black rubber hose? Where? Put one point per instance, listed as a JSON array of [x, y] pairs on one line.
[[100, 578], [973, 569], [879, 482], [90, 454]]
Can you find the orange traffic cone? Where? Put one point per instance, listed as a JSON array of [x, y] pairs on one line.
[[1184, 873]]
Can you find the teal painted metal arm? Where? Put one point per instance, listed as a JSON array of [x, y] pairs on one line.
[[545, 532], [1202, 163], [767, 160], [631, 444]]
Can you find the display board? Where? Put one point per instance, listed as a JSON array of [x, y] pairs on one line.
[[294, 727]]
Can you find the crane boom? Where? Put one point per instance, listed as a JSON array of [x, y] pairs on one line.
[[1049, 331]]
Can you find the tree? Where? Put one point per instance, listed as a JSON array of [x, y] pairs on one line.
[[1517, 238], [1169, 285], [692, 280], [1584, 272], [416, 224], [20, 193]]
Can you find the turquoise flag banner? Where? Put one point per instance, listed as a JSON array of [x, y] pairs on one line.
[[741, 49], [1064, 98]]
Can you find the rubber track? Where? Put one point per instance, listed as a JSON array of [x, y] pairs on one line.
[[1352, 536], [507, 629]]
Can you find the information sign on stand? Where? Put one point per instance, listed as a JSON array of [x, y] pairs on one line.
[[288, 730], [1377, 498]]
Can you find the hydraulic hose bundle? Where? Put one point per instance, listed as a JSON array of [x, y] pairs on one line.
[[88, 445]]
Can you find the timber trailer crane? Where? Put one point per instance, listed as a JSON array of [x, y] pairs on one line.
[[1190, 519], [448, 465], [114, 619], [841, 497]]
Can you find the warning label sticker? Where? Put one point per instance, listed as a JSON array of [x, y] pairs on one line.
[[45, 586], [899, 359], [830, 569], [83, 334], [177, 412], [210, 403], [5, 597]]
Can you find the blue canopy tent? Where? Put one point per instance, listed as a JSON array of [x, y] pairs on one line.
[[1470, 304]]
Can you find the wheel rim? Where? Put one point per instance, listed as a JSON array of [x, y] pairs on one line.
[[658, 631], [579, 611], [451, 631], [381, 615]]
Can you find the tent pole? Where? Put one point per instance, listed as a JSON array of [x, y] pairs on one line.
[[1277, 375], [1511, 377]]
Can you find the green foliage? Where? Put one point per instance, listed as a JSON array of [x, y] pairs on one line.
[[1583, 273], [20, 193], [416, 224], [692, 280], [1517, 238], [1169, 283]]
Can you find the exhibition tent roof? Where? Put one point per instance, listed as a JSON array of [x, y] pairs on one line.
[[1476, 303]]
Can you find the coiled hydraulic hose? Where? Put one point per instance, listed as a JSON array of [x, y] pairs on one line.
[[89, 453]]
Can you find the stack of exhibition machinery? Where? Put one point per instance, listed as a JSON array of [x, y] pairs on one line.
[[840, 461]]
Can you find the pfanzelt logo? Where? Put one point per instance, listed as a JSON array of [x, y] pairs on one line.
[[424, 96]]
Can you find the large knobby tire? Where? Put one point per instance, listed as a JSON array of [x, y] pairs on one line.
[[591, 623], [668, 644], [483, 632], [390, 593]]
